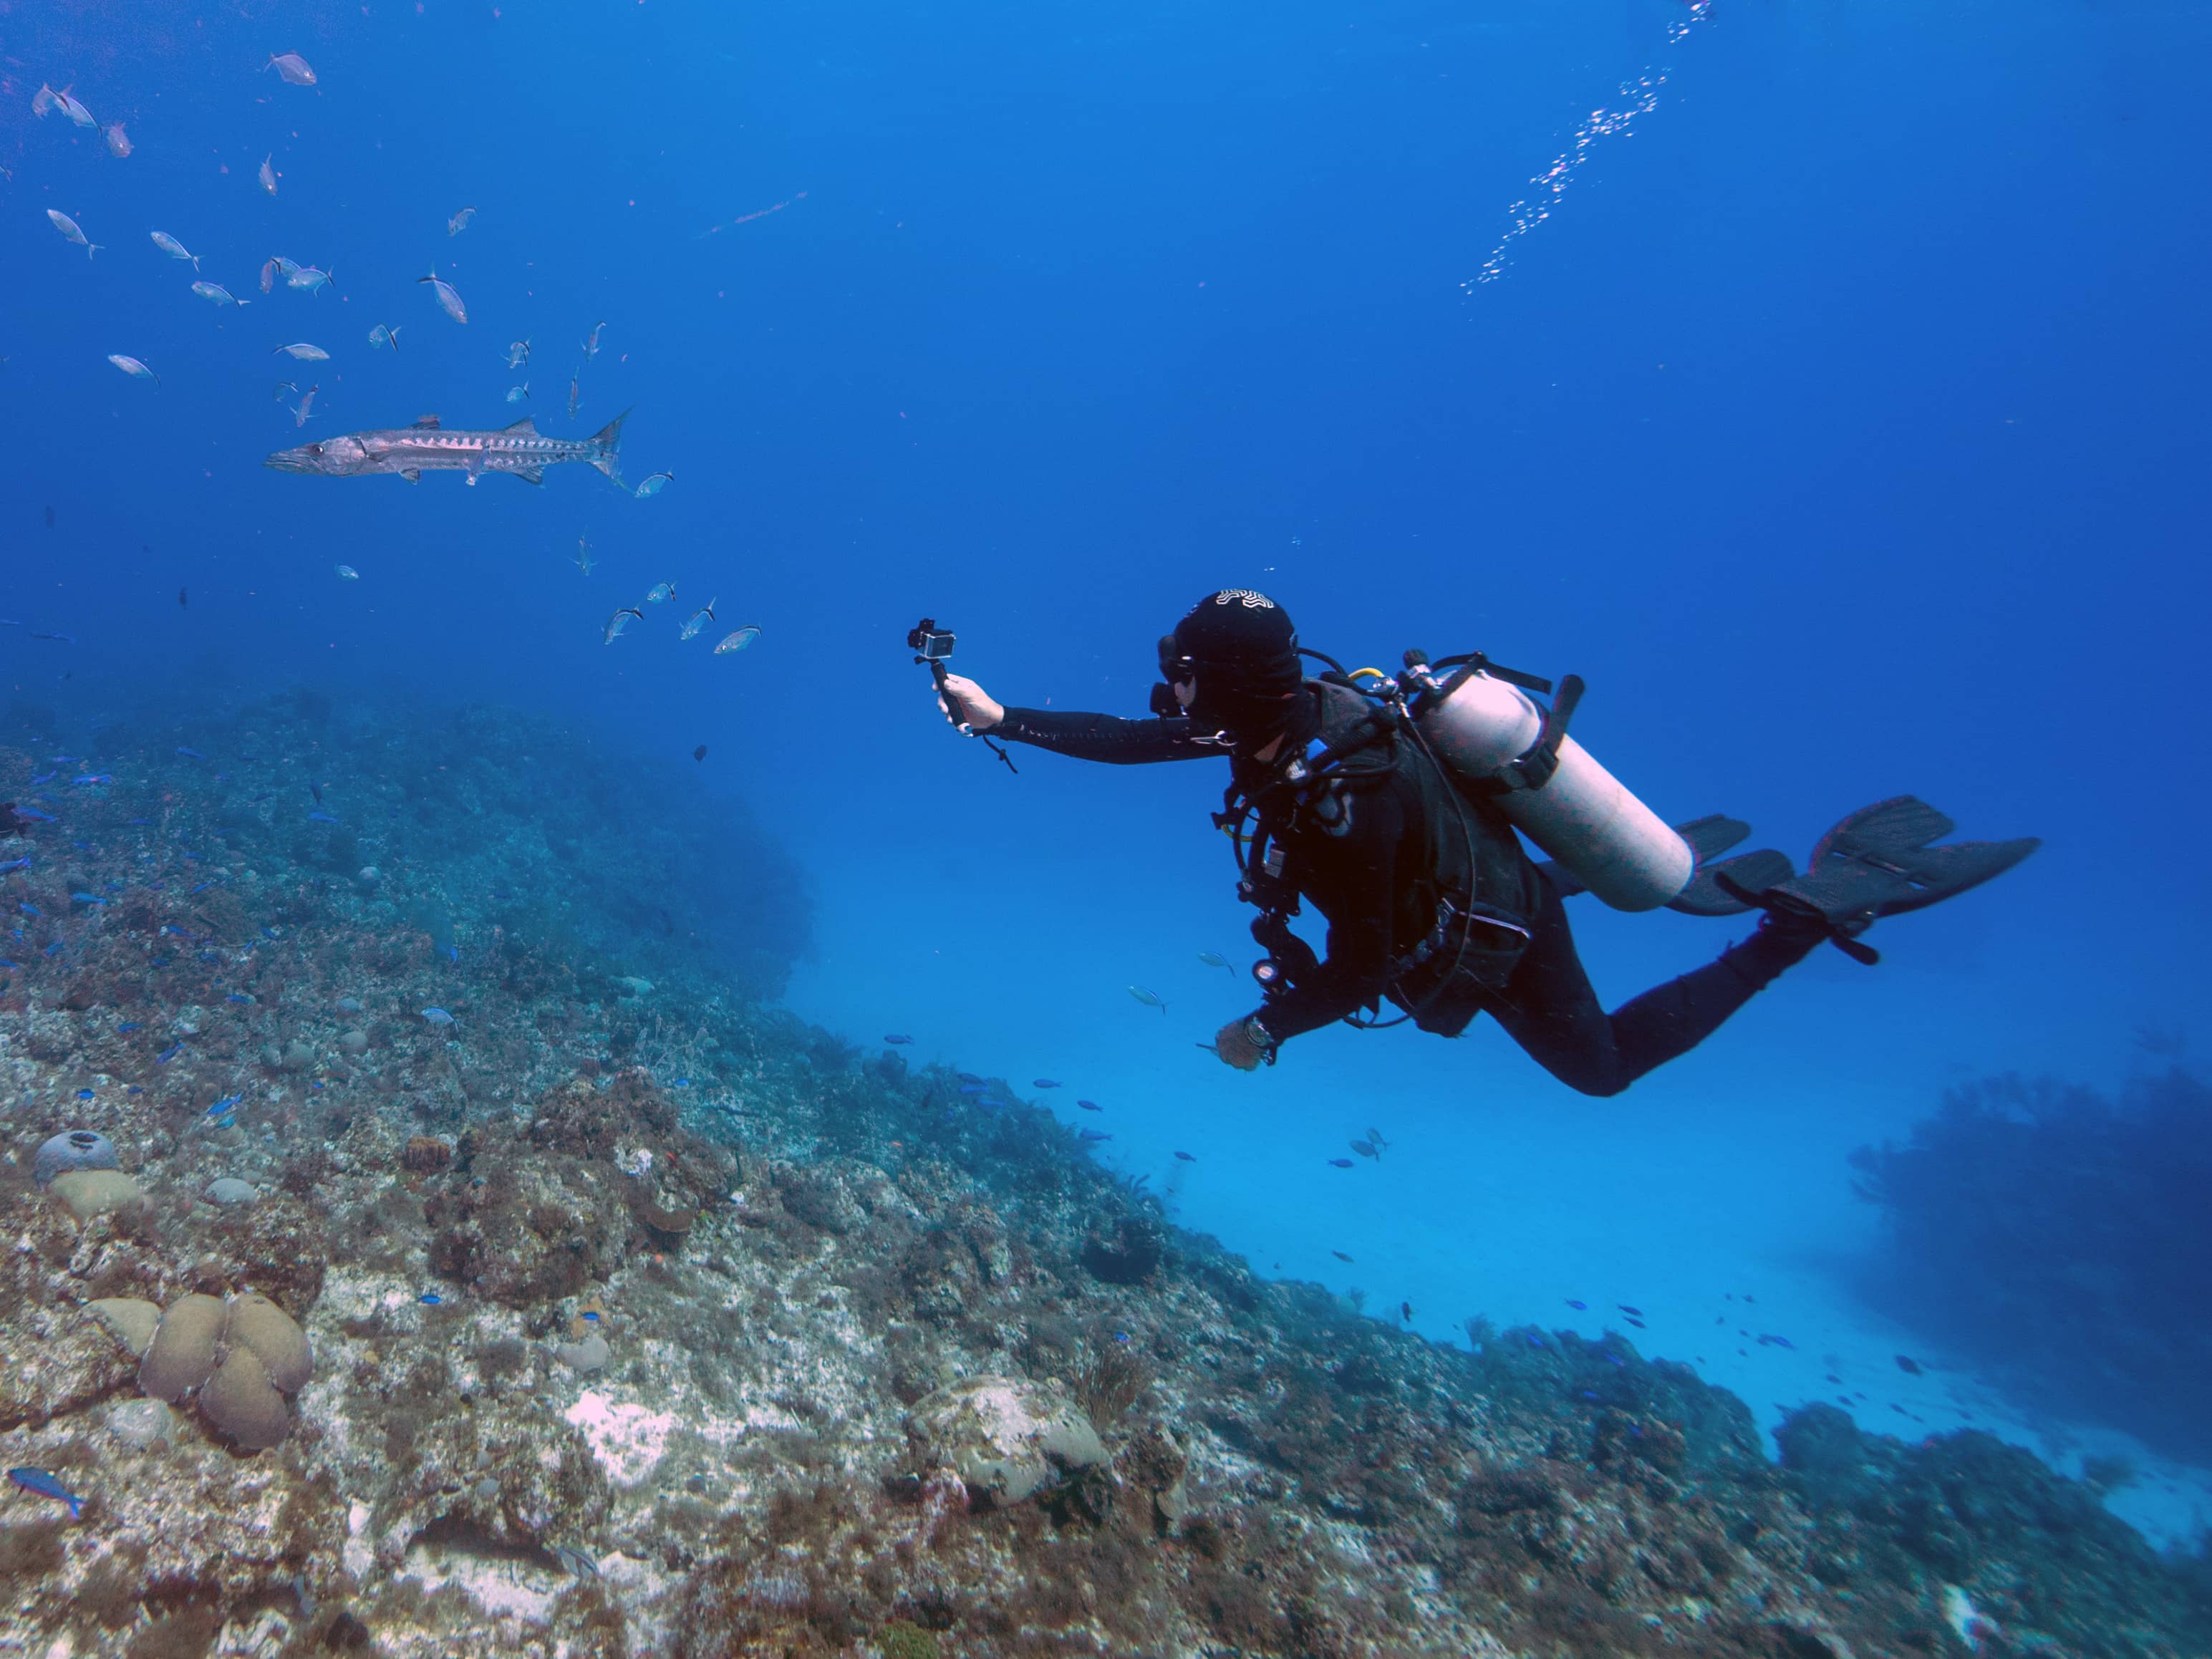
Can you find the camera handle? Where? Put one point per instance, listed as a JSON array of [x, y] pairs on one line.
[[936, 674]]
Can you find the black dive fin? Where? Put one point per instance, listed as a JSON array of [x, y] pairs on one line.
[[1753, 872], [1876, 863], [1708, 838]]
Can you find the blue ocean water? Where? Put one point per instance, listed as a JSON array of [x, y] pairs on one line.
[[1840, 421]]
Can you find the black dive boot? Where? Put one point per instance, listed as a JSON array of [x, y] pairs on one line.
[[1876, 863]]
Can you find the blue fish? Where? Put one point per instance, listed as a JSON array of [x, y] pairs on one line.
[[128, 1026], [168, 1054], [85, 898], [1637, 1313], [437, 1016], [202, 887], [47, 1485], [97, 777], [430, 1298], [34, 815], [589, 1317], [896, 1037], [84, 1094], [971, 1088], [1186, 1157], [29, 908], [451, 952], [968, 1077], [16, 864], [190, 754], [1339, 1163], [1579, 1307], [224, 1104], [237, 997], [43, 777], [1091, 1105], [1766, 1341], [1042, 1083], [1535, 1341], [320, 817], [1095, 1134], [54, 949]]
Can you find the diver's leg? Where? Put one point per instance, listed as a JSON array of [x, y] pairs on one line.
[[1550, 1009]]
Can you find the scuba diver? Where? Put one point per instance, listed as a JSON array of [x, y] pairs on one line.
[[1391, 803]]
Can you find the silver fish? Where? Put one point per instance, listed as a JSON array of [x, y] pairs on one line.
[[1150, 1000], [216, 293], [517, 354], [119, 142], [460, 222], [575, 392], [308, 278], [583, 561], [654, 484], [515, 394], [733, 642], [43, 102], [133, 368], [268, 174], [175, 249], [76, 112], [306, 397], [619, 624], [661, 593], [1215, 960], [408, 452], [698, 620], [380, 336], [592, 346], [67, 226], [293, 67], [304, 352], [283, 386], [347, 573], [447, 299]]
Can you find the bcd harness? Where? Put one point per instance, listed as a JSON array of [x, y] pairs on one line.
[[1475, 883]]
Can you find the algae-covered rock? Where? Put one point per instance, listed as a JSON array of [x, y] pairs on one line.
[[229, 1190], [183, 1352], [78, 1149], [88, 1192], [256, 1322], [129, 1319], [240, 1401], [1004, 1436]]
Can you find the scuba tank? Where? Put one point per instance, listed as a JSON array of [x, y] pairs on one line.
[[1484, 725]]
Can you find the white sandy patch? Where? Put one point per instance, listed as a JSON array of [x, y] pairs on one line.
[[626, 1438]]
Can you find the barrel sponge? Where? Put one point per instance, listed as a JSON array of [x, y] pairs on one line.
[[240, 1401], [182, 1356], [78, 1149], [260, 1324]]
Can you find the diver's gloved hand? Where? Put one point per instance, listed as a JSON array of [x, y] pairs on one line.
[[965, 703], [1241, 1045]]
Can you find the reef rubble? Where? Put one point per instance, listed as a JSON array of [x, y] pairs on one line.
[[664, 1324]]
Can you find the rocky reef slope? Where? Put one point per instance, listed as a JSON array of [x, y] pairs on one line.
[[645, 1319]]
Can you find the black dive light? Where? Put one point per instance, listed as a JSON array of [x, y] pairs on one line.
[[933, 645]]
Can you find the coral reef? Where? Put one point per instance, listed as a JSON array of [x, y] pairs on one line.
[[699, 1335], [2059, 1238]]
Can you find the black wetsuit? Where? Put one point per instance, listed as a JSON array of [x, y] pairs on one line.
[[1369, 882]]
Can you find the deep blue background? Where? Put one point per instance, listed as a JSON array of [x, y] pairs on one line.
[[1844, 426]]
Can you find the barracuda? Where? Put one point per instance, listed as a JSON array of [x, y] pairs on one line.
[[518, 450]]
